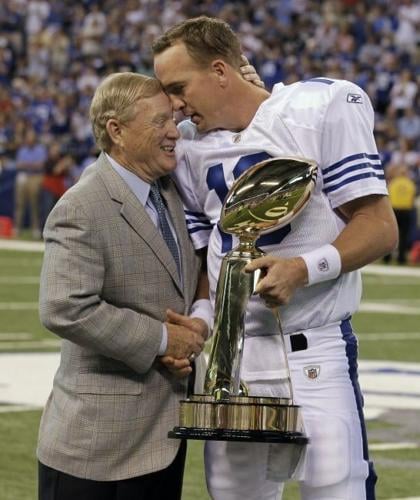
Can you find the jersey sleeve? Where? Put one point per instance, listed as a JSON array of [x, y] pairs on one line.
[[198, 225], [351, 164]]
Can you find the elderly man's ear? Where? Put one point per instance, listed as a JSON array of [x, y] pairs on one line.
[[113, 128], [250, 74]]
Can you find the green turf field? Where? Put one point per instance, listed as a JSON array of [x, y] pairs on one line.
[[385, 335]]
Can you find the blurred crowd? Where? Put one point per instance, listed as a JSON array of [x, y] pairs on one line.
[[53, 54]]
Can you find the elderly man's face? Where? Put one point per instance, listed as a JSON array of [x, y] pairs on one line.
[[193, 90], [147, 143]]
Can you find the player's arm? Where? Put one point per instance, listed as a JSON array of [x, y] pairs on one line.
[[371, 232]]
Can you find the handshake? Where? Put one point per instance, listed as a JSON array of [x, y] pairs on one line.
[[186, 338]]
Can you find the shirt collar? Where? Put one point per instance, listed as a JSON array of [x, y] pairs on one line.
[[139, 187]]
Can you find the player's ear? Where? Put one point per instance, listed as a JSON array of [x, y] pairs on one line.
[[220, 69]]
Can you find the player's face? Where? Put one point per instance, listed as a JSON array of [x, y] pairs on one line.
[[147, 143], [193, 90]]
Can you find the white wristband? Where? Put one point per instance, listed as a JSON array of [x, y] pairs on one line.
[[323, 264], [202, 309]]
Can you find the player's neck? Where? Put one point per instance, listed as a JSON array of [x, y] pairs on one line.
[[246, 104]]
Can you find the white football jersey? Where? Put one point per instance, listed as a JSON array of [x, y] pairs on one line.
[[329, 121]]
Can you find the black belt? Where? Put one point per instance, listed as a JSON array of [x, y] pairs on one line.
[[298, 342]]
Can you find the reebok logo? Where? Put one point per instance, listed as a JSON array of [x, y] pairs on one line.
[[354, 98]]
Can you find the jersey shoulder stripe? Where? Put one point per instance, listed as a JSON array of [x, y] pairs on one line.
[[354, 178], [197, 221], [348, 159], [327, 81], [350, 170]]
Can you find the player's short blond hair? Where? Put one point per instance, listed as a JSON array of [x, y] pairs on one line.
[[115, 98], [205, 39]]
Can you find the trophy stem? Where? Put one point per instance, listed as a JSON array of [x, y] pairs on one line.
[[233, 291]]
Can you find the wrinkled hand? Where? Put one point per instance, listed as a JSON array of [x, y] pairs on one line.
[[180, 368], [185, 336], [250, 74], [280, 278]]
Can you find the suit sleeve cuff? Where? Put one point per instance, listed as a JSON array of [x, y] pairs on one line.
[[164, 341]]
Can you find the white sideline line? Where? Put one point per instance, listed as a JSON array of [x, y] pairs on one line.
[[18, 306], [30, 344], [7, 338], [392, 270], [392, 446], [24, 246], [388, 308], [389, 281], [379, 307], [390, 336], [15, 336]]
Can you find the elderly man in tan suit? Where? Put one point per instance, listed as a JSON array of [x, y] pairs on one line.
[[118, 289]]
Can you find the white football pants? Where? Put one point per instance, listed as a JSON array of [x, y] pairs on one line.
[[335, 464]]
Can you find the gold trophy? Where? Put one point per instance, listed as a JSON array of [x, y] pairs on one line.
[[267, 196]]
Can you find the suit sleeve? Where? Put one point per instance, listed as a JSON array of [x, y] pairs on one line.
[[71, 306]]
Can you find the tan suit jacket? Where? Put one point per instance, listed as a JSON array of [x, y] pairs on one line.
[[106, 282]]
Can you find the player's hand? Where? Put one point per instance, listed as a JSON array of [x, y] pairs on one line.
[[185, 335], [280, 278], [249, 73], [180, 368]]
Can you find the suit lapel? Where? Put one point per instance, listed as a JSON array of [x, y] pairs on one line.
[[137, 217]]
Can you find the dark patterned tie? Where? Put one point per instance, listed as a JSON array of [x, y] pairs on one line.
[[156, 199]]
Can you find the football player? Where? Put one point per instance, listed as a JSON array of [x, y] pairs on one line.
[[312, 265]]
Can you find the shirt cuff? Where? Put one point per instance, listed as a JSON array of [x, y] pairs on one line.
[[202, 309], [164, 341]]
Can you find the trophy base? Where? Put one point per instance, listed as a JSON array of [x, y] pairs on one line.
[[296, 438], [240, 418]]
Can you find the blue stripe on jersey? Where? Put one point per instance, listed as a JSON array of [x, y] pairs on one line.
[[195, 229], [319, 80], [248, 161], [197, 221], [357, 166], [265, 240], [351, 353], [353, 179], [227, 240], [350, 158], [199, 215], [201, 220]]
